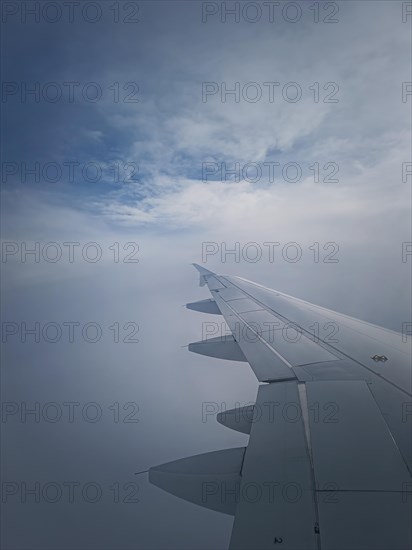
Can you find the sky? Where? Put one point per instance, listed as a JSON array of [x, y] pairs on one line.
[[151, 135]]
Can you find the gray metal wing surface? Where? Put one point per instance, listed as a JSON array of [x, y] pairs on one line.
[[329, 459]]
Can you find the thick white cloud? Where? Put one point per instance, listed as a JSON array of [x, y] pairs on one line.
[[172, 214]]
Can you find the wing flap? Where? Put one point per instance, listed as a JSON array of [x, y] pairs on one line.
[[276, 508], [365, 521], [352, 445]]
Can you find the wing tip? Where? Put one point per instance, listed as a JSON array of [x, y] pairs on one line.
[[202, 270]]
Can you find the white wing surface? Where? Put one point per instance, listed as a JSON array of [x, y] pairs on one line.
[[329, 459]]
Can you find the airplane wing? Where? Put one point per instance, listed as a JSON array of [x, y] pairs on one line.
[[329, 459]]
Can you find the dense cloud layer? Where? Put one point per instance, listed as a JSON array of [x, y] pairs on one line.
[[180, 203]]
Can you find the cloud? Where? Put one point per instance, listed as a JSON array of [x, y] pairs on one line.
[[172, 214]]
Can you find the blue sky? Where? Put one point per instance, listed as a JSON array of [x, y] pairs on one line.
[[167, 136]]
